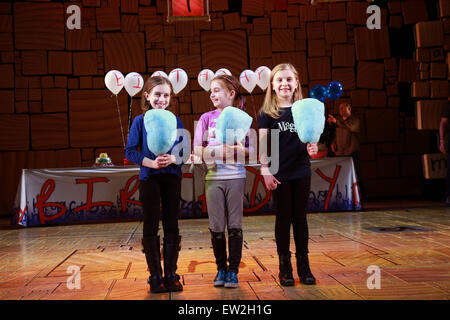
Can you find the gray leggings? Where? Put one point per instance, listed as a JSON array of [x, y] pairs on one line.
[[222, 196]]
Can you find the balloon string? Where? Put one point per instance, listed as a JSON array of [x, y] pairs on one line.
[[129, 115], [120, 120], [253, 106]]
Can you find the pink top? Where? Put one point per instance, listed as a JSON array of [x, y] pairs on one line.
[[206, 128]]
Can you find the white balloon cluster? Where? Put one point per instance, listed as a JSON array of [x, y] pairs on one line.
[[133, 82], [115, 81], [205, 77], [177, 77], [248, 78]]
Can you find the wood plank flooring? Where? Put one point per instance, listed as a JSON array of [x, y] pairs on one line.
[[413, 265]]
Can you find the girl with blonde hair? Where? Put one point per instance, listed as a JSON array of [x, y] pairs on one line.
[[290, 185]]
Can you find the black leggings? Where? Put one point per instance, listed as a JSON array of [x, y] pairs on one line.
[[291, 199], [164, 190]]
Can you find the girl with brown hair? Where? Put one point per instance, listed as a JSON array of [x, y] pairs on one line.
[[159, 183], [224, 182]]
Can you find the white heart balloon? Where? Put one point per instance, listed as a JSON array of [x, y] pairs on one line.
[[204, 79], [114, 81], [178, 77], [222, 71], [160, 74], [262, 77], [133, 83], [248, 80]]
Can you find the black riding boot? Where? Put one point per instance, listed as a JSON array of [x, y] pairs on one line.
[[171, 247], [235, 241], [303, 270], [219, 245], [285, 275], [151, 248]]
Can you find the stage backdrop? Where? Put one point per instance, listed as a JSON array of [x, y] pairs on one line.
[[58, 196]]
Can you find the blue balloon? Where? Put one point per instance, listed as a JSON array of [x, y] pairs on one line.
[[318, 92], [334, 90]]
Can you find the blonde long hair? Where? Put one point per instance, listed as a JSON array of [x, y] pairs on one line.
[[271, 105]]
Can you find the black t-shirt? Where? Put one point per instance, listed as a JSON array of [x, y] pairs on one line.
[[294, 160]]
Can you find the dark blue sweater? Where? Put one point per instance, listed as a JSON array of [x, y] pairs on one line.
[[138, 138]]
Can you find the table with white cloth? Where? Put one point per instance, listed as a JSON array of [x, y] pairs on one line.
[[73, 195]]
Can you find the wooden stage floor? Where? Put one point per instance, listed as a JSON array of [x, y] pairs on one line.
[[413, 264]]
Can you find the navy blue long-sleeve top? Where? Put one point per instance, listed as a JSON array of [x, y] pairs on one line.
[[137, 138]]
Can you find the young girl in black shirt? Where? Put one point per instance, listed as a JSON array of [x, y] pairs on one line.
[[290, 184]]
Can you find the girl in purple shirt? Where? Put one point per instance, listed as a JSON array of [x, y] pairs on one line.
[[224, 182]]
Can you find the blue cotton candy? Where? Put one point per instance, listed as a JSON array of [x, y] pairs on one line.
[[161, 127], [234, 119], [309, 119]]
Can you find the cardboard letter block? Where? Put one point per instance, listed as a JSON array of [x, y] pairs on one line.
[[428, 114], [429, 34], [224, 49], [336, 32], [370, 75], [39, 26], [372, 44], [34, 62], [124, 52], [94, 119], [59, 62], [343, 55], [434, 165], [108, 19], [414, 11], [420, 89]]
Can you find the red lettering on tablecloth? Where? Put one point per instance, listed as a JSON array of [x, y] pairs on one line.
[[332, 182], [46, 191], [256, 181], [125, 194], [354, 193], [187, 175], [20, 213], [202, 198], [89, 204]]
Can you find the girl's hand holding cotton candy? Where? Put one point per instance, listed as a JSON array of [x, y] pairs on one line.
[[309, 119], [165, 160]]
